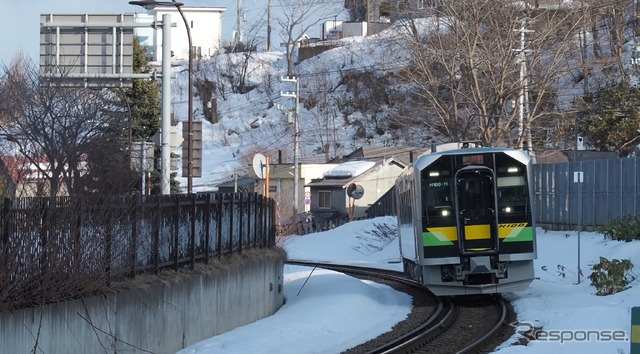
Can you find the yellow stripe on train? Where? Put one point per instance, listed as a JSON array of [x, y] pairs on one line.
[[450, 232], [479, 232], [510, 230]]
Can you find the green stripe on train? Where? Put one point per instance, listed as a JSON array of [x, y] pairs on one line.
[[431, 239], [635, 330], [520, 234]]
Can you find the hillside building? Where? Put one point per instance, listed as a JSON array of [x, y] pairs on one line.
[[205, 24]]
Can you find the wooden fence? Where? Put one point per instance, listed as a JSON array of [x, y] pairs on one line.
[[73, 242]]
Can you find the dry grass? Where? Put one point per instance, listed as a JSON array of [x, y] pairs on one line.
[[228, 264]]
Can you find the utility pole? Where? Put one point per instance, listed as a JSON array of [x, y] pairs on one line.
[[235, 180], [585, 65], [523, 97], [165, 130], [238, 37], [296, 138], [269, 26], [578, 177]]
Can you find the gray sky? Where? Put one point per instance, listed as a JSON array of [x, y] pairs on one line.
[[20, 23]]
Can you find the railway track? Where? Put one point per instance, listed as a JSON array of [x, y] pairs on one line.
[[473, 324]]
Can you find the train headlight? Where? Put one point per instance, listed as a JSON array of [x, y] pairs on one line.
[[507, 209], [445, 213], [434, 174], [512, 170]]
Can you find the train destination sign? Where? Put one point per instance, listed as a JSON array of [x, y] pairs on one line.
[[473, 160]]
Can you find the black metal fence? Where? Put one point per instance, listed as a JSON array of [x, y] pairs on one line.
[[385, 205], [70, 243]]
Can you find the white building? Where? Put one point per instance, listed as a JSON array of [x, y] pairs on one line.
[[205, 24]]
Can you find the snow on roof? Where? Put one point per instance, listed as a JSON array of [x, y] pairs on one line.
[[349, 169]]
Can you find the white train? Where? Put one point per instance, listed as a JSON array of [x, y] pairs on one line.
[[465, 220]]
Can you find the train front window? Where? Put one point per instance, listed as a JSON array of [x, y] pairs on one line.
[[475, 195], [512, 190], [436, 197], [513, 199]]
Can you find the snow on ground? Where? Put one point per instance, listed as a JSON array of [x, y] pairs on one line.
[[328, 312]]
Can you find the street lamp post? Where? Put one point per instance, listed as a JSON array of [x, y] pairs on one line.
[[190, 105], [150, 5], [296, 138]]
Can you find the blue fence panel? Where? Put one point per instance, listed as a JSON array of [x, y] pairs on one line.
[[587, 190], [609, 190], [628, 187], [612, 181], [637, 187], [563, 180], [544, 194]]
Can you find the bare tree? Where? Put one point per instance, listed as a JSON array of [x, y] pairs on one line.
[[55, 128], [614, 22], [466, 63], [298, 17], [324, 114], [226, 72]]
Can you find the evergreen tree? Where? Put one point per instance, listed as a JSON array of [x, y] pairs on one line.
[[610, 118], [140, 106], [141, 101]]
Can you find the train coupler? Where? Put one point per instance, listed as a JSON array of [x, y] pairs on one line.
[[475, 270]]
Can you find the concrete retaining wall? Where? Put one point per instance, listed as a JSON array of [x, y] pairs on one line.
[[162, 317]]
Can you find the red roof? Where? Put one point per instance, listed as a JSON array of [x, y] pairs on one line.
[[19, 168]]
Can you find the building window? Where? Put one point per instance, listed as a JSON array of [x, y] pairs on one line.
[[196, 52], [324, 199]]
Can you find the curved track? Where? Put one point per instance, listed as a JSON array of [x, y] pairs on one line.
[[436, 324]]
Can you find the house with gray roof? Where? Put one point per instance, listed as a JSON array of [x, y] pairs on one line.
[[330, 195]]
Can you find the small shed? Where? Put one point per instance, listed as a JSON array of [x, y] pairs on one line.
[[559, 156], [404, 155], [243, 184]]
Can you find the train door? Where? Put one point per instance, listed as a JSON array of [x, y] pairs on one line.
[[475, 206]]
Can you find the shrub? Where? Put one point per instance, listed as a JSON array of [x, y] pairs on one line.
[[610, 277], [626, 228]]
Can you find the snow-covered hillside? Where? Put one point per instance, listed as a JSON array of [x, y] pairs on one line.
[[348, 97], [256, 121]]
